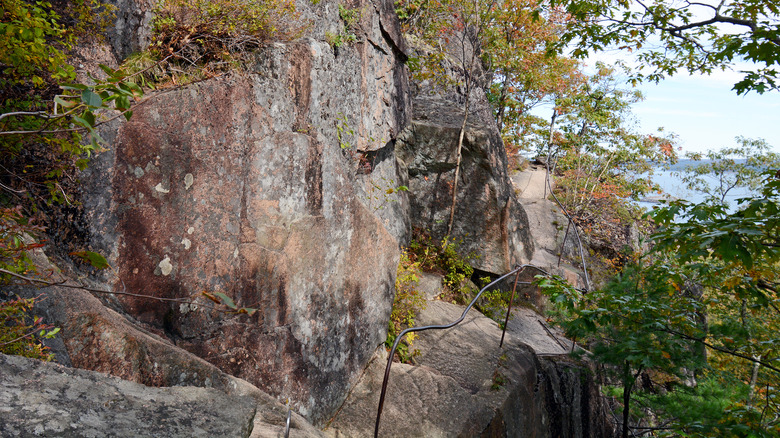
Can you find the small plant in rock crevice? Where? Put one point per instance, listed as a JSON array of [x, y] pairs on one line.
[[382, 192], [20, 333], [494, 303], [407, 303], [193, 41], [499, 379], [344, 132], [351, 19], [347, 139], [442, 257], [209, 30]]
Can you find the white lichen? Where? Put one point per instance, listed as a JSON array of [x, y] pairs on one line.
[[165, 266]]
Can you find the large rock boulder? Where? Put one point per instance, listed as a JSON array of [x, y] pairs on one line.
[[95, 337], [263, 186], [45, 399], [489, 221], [463, 384]]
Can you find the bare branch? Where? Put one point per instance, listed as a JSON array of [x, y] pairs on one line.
[[64, 283], [32, 333], [41, 114], [714, 8]]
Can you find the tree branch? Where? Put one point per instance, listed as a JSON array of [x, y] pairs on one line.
[[722, 350], [42, 114], [32, 333], [63, 283]]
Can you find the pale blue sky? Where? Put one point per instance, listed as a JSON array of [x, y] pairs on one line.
[[706, 114], [703, 110]]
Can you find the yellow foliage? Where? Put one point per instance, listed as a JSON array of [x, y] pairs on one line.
[[407, 302]]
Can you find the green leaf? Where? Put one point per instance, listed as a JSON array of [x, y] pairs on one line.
[[122, 103], [96, 140], [96, 260], [91, 99], [64, 103], [89, 117], [82, 122], [51, 333], [74, 87], [226, 300], [108, 70], [133, 89]]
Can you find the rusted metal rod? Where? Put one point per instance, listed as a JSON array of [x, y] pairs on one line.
[[509, 306], [287, 423], [509, 309]]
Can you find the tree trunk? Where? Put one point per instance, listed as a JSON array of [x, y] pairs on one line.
[[502, 103], [753, 380], [549, 151], [628, 384], [626, 403], [459, 156]]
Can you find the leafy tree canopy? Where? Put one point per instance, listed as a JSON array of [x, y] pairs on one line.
[[698, 37]]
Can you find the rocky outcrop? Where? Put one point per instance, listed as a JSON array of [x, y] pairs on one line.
[[489, 221], [95, 337], [47, 399], [44, 399], [465, 385], [280, 187], [269, 218], [132, 28], [555, 244], [271, 187]]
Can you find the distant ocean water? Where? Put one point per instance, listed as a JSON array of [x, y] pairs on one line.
[[672, 185]]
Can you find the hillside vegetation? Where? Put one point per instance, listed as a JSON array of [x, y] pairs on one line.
[[685, 324]]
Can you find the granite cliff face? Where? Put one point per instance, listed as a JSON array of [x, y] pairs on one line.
[[277, 187], [245, 185]]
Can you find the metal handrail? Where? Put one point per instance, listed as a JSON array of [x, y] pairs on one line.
[[287, 423], [517, 271], [548, 185]]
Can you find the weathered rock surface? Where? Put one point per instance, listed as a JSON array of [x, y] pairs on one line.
[[45, 399], [264, 186], [132, 28], [489, 220], [95, 337], [548, 230], [465, 385]]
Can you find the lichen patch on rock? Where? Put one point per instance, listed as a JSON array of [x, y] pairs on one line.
[[165, 266]]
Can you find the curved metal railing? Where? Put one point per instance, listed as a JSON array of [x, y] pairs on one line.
[[398, 339]]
